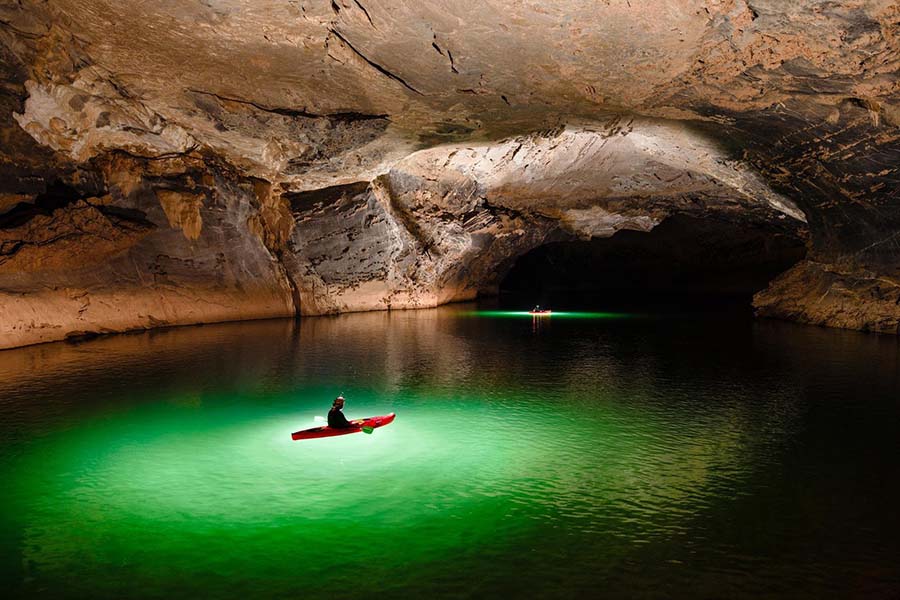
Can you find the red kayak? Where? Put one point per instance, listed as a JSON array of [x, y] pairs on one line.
[[358, 424]]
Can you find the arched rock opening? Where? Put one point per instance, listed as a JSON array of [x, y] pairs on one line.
[[684, 262]]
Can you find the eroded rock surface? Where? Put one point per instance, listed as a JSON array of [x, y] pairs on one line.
[[228, 159], [138, 260], [819, 294]]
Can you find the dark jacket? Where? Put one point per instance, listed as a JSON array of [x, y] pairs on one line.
[[337, 419]]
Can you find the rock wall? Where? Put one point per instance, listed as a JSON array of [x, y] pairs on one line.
[[185, 162], [819, 294], [160, 250]]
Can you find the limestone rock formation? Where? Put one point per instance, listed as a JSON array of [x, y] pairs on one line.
[[185, 162], [817, 293]]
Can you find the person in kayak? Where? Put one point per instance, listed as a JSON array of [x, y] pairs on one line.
[[336, 418]]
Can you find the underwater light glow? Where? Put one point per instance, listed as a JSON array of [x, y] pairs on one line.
[[162, 466]]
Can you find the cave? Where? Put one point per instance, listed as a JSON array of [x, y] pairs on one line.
[[147, 183], [684, 263], [223, 220]]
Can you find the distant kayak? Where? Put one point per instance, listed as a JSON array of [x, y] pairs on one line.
[[358, 424]]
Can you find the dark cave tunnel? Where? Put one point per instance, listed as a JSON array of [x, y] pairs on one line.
[[684, 263]]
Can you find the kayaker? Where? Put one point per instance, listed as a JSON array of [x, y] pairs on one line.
[[336, 418]]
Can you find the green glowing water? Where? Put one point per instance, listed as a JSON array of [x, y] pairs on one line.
[[600, 456], [524, 314]]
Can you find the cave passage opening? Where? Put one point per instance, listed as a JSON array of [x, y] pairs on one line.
[[683, 264]]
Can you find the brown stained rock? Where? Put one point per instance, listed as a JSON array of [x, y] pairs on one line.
[[274, 223], [7, 201], [183, 211], [123, 175], [58, 54], [73, 237], [65, 118]]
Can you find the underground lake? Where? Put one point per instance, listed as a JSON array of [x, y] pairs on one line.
[[641, 455], [469, 299]]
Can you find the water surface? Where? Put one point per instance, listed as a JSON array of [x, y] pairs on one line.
[[611, 455]]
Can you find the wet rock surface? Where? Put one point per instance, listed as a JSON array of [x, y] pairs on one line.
[[229, 159]]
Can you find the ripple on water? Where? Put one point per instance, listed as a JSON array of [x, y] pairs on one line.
[[605, 454]]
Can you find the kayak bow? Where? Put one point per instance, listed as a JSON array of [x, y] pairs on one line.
[[358, 425]]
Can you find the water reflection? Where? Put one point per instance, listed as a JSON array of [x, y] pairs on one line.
[[645, 455]]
